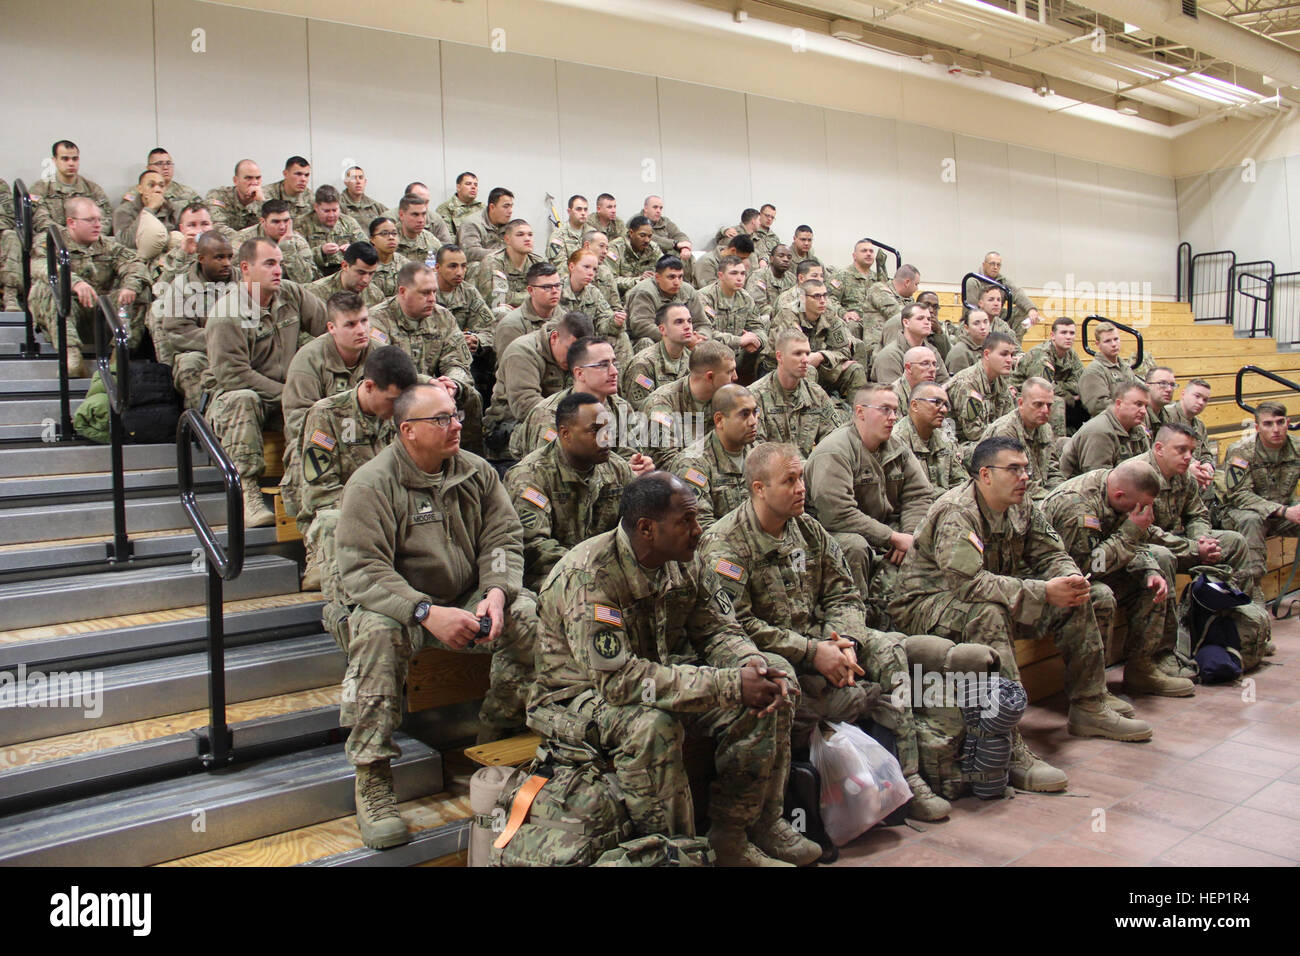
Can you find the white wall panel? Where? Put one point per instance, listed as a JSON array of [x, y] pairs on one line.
[[1246, 215], [788, 168], [929, 214], [984, 209], [862, 163], [1083, 235], [1034, 232], [1195, 219]]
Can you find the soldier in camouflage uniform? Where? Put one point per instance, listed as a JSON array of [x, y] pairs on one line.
[[354, 202], [1023, 311], [801, 246], [384, 233], [969, 345], [669, 237], [1104, 372], [501, 277], [1117, 433], [1257, 484], [194, 220], [869, 488], [177, 193], [531, 370], [988, 567], [252, 334], [1056, 361], [769, 282], [663, 362], [732, 317], [885, 301], [765, 240], [916, 330], [1028, 424], [605, 218], [414, 241], [484, 234], [831, 341], [705, 268], [568, 490], [99, 266], [148, 196], [463, 203], [11, 263], [566, 238], [235, 208], [294, 188], [789, 304], [427, 545], [921, 431], [51, 192], [794, 595], [637, 643], [851, 287], [715, 462], [462, 300], [1186, 411], [360, 263], [429, 334], [328, 231], [979, 394], [1105, 519], [792, 409], [634, 255], [595, 241], [183, 309], [681, 412], [276, 225], [644, 300], [579, 293], [540, 306]]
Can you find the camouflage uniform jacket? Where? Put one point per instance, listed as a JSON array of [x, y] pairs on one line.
[[564, 241], [229, 215], [299, 205], [538, 427], [337, 439], [1040, 447], [1180, 513], [298, 264], [766, 288], [629, 264], [126, 217], [325, 287], [185, 306], [977, 401], [362, 211], [830, 335], [435, 343], [470, 311], [242, 354], [1174, 413], [1102, 442], [649, 369], [502, 286], [317, 371], [105, 264], [1043, 362], [727, 319], [645, 299], [717, 478], [940, 456], [526, 374], [1097, 537], [616, 229], [1259, 479], [675, 418], [1098, 379], [49, 196], [454, 212], [480, 237], [802, 417], [344, 232], [519, 322]]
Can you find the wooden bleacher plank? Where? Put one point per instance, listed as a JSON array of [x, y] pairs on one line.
[[511, 752], [438, 678], [273, 454]]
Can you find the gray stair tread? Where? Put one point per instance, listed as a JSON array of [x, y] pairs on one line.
[[17, 339], [30, 368], [86, 519], [125, 580], [42, 555], [75, 458], [13, 318], [29, 411], [100, 483], [40, 386]]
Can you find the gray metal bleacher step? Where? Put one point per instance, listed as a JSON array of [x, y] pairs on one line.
[[28, 411], [108, 593], [153, 823], [16, 331], [153, 479], [72, 458], [46, 704], [90, 552], [13, 318], [14, 347], [425, 845], [39, 386], [20, 369], [89, 518]]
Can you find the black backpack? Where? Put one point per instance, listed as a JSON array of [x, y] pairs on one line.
[[154, 409]]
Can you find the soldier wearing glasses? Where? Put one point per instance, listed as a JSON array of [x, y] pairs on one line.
[[921, 430]]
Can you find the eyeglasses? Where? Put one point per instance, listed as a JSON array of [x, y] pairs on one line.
[[1164, 384], [386, 233], [815, 295], [1017, 471], [926, 364], [550, 286], [83, 219], [157, 163], [936, 402], [889, 411], [444, 420], [606, 365]]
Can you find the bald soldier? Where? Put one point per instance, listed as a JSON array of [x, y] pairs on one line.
[[979, 394], [851, 287], [681, 411], [238, 206], [988, 567], [568, 490], [1028, 424], [664, 361], [1056, 361], [353, 200], [1118, 433], [792, 408], [638, 644], [644, 300], [184, 308], [1105, 518], [794, 595], [428, 547], [1104, 372], [867, 486], [1024, 313], [922, 431], [533, 368], [715, 463], [920, 364]]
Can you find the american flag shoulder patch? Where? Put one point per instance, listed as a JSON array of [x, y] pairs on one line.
[[1241, 462], [761, 284], [645, 381], [975, 540], [533, 496], [498, 272], [663, 419], [611, 254], [710, 313], [977, 395], [551, 435], [697, 478], [1091, 521], [729, 570], [379, 335], [321, 440], [608, 615]]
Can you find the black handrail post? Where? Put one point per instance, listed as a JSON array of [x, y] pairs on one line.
[[898, 256], [118, 390], [224, 564], [58, 269], [23, 220], [1006, 293], [1088, 320]]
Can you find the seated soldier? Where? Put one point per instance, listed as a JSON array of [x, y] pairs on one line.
[[680, 412], [644, 300], [483, 234], [595, 241], [1257, 485], [383, 236], [328, 231], [969, 347], [1186, 411], [917, 327], [1056, 361], [463, 204], [177, 193], [568, 490], [100, 266], [340, 433], [715, 462], [792, 409], [428, 545], [919, 366], [239, 206], [850, 287], [1098, 381], [353, 201], [193, 221], [1024, 314], [276, 225], [294, 188], [868, 487], [705, 268], [534, 368], [771, 281], [789, 304], [885, 301], [801, 246], [51, 194], [634, 255], [765, 240], [439, 230], [1161, 382], [579, 292], [921, 431], [429, 334], [988, 567], [501, 277], [184, 308], [1105, 519], [794, 596], [147, 197], [566, 238], [605, 218], [633, 609], [252, 335], [541, 305], [979, 394], [748, 226], [731, 316], [664, 361], [667, 235], [831, 340], [1117, 433], [1028, 424], [462, 300], [414, 241], [360, 263]]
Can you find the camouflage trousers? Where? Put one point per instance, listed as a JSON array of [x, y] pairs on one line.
[[644, 743], [1236, 556], [471, 437], [1077, 632], [1152, 627], [842, 379], [1255, 529], [11, 269], [153, 321], [81, 320], [318, 538], [187, 376], [873, 573], [379, 656], [238, 419], [291, 481]]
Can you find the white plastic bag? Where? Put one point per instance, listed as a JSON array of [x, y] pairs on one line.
[[861, 782]]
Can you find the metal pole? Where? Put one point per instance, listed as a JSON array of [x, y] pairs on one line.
[[218, 731]]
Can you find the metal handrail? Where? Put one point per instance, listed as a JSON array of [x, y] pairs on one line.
[[1137, 359], [1183, 272], [1266, 298], [1256, 370], [898, 256], [113, 338], [223, 564], [1191, 284], [23, 224], [58, 270], [1006, 293]]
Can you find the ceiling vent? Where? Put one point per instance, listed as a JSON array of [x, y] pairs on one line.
[[1189, 8]]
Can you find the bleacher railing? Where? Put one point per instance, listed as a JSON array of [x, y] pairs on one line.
[[980, 277], [898, 256], [23, 222], [1286, 308], [1252, 288], [223, 564], [1210, 285], [58, 270], [112, 346], [1137, 359]]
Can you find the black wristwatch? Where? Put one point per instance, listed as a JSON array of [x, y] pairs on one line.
[[422, 611]]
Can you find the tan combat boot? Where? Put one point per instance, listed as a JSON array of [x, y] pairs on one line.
[[783, 842], [1173, 665], [925, 803], [732, 848], [1120, 705], [1095, 719], [1031, 772], [1141, 676], [377, 817], [311, 573], [76, 367], [256, 513]]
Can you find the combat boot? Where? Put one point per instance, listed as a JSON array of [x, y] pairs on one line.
[[377, 817], [311, 573], [1031, 772], [256, 513], [1120, 705], [925, 803], [1175, 665], [1141, 676], [732, 848], [76, 368], [1095, 719], [780, 841]]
